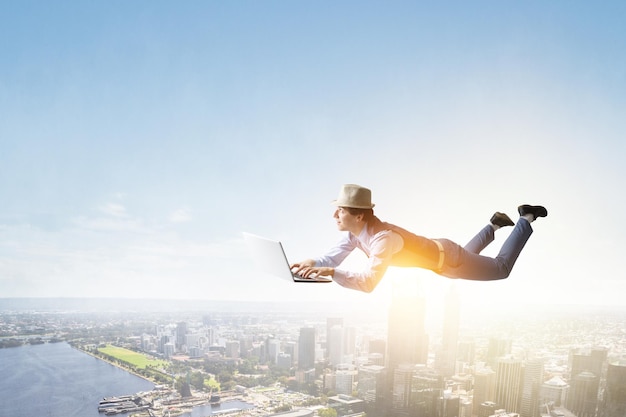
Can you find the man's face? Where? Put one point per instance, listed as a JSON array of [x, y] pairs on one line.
[[346, 221]]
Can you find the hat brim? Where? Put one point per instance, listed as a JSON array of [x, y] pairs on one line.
[[338, 203]]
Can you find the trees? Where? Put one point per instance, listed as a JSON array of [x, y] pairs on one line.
[[327, 412]]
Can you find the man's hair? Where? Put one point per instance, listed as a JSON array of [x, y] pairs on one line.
[[368, 214]]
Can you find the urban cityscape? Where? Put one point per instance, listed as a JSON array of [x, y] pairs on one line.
[[526, 362]]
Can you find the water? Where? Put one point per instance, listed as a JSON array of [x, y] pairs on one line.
[[55, 380]]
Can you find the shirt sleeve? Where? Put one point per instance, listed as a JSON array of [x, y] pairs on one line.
[[382, 248], [338, 253]]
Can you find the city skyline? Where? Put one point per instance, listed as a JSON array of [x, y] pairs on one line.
[[139, 140]]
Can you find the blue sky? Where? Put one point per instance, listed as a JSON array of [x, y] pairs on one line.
[[139, 139]]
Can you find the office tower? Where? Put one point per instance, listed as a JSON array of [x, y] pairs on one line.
[[582, 398], [334, 345], [273, 350], [466, 352], [531, 383], [376, 359], [484, 388], [232, 349], [449, 405], [447, 356], [614, 402], [349, 343], [181, 331], [344, 380], [497, 349], [306, 348], [371, 382], [508, 383], [291, 348], [330, 323], [407, 342], [584, 360], [426, 391], [553, 391], [401, 389], [378, 346], [284, 361]]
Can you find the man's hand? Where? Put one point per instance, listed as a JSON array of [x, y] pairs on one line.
[[307, 269]]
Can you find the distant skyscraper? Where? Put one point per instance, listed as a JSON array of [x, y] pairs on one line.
[[349, 341], [508, 383], [531, 385], [407, 342], [306, 348], [484, 388], [330, 323], [446, 357], [554, 391], [582, 398], [334, 345], [371, 383], [587, 369], [378, 346], [466, 352], [401, 389], [181, 331], [426, 390], [614, 402], [497, 349]]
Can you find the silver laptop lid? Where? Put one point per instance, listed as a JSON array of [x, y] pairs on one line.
[[269, 256]]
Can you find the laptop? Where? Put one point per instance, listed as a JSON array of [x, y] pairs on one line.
[[270, 258]]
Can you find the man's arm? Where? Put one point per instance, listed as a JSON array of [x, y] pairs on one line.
[[383, 246]]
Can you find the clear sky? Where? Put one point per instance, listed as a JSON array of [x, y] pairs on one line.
[[139, 139]]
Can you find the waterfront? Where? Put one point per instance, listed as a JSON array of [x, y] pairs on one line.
[[55, 380]]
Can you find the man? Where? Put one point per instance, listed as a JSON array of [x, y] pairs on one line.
[[387, 245]]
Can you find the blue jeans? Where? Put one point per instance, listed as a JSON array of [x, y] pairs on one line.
[[467, 263]]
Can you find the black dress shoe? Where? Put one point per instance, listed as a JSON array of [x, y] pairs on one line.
[[536, 211], [501, 220]]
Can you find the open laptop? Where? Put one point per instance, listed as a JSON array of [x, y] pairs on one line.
[[270, 257]]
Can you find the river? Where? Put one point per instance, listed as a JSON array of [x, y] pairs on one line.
[[56, 380]]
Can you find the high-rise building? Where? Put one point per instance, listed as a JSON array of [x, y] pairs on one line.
[[497, 348], [447, 356], [232, 349], [466, 352], [553, 391], [401, 389], [331, 322], [449, 405], [426, 391], [484, 388], [181, 331], [306, 348], [407, 342], [614, 401], [273, 350], [508, 383], [371, 380], [582, 398], [334, 345], [349, 343], [378, 346], [531, 384], [344, 381], [585, 360]]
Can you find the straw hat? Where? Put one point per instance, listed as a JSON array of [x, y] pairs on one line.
[[354, 196]]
